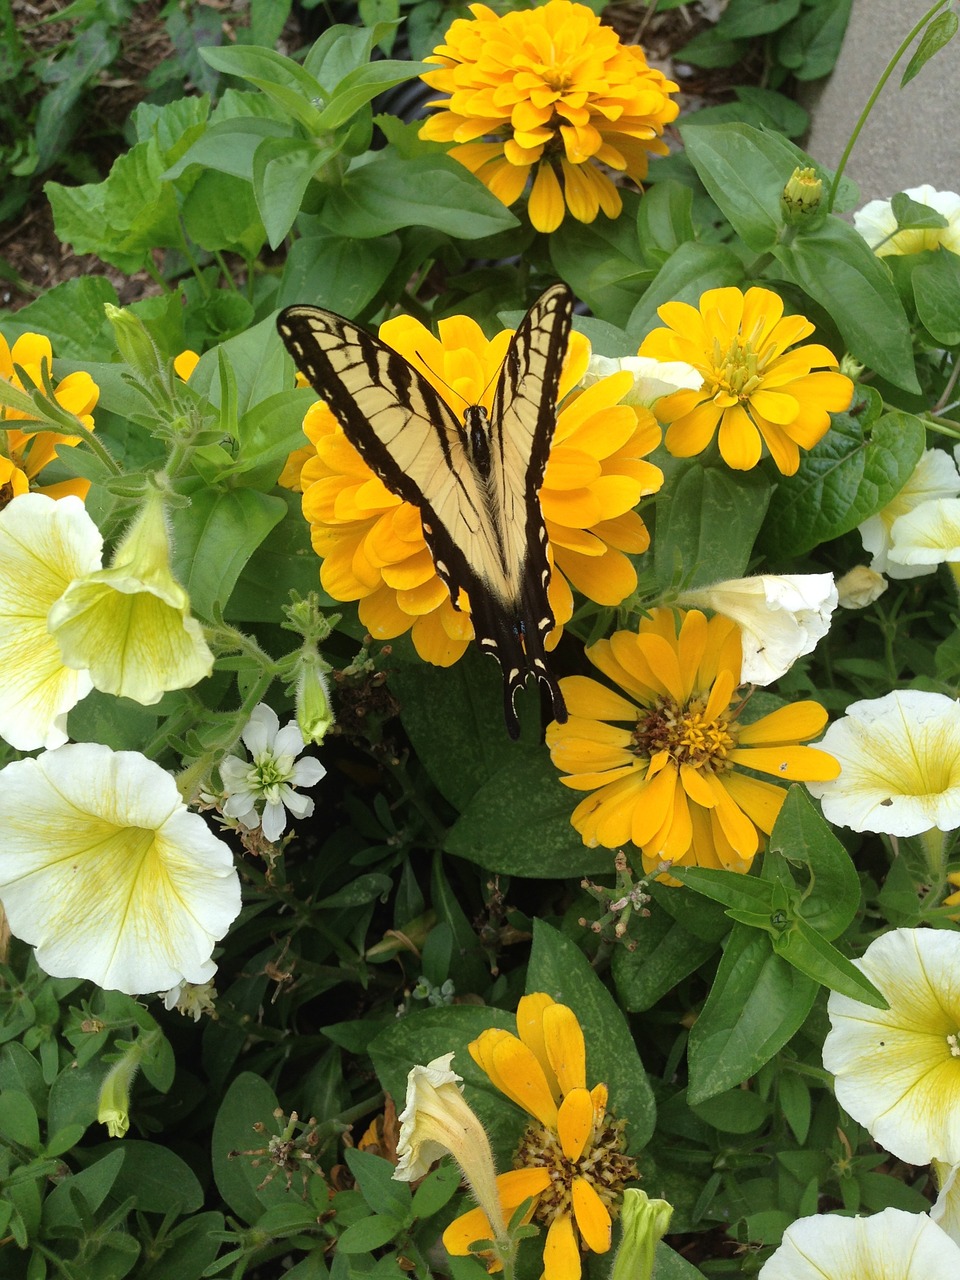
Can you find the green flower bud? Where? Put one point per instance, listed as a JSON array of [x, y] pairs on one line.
[[800, 199], [645, 1221], [135, 345]]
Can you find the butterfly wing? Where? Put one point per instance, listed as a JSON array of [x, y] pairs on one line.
[[481, 517]]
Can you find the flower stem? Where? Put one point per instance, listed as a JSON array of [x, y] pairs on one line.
[[835, 185]]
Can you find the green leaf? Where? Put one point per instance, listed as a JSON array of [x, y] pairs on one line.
[[688, 272], [559, 967], [188, 1248], [367, 1234], [603, 261], [248, 1101], [469, 971], [669, 1265], [284, 81], [518, 823], [811, 45], [736, 1111], [665, 220], [229, 146], [757, 1002], [362, 85], [706, 530], [842, 481], [802, 835], [163, 1182], [745, 172], [89, 52], [18, 1120], [804, 948], [95, 1183], [72, 316], [665, 954], [336, 272], [283, 168], [936, 291], [839, 270], [389, 193], [936, 36], [220, 212], [364, 889], [746, 18], [911, 215], [793, 1095], [139, 203], [80, 220], [215, 537], [376, 1183]]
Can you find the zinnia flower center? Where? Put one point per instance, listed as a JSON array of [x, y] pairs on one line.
[[739, 370], [686, 734], [603, 1164]]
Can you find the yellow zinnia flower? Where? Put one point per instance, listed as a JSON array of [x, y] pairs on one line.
[[372, 544], [23, 454], [754, 389], [666, 774], [548, 92], [571, 1158]]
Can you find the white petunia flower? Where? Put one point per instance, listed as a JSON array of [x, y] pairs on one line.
[[926, 536], [780, 617], [860, 586], [43, 545], [271, 776], [935, 476], [946, 1211], [900, 765], [878, 225], [892, 1245], [106, 872], [652, 379], [897, 1070], [130, 625]]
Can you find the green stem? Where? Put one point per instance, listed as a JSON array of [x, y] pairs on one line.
[[908, 40]]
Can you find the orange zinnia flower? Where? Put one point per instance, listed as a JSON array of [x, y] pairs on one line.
[[372, 544], [754, 389], [23, 454], [548, 92], [667, 775], [571, 1158]]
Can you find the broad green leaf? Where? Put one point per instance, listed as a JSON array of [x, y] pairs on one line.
[[336, 272], [518, 823], [936, 36], [711, 49], [839, 270], [95, 1182], [215, 537], [603, 261], [811, 45], [262, 67], [936, 291], [229, 146], [188, 1248], [364, 889], [80, 220], [664, 220], [665, 954], [89, 51], [72, 317], [735, 1111], [910, 214], [688, 272], [362, 85], [469, 970], [745, 18], [164, 1183], [756, 1004], [284, 561], [220, 213], [139, 202], [745, 172], [669, 1265], [841, 481], [801, 835], [248, 1101], [707, 528], [368, 1234], [342, 49], [175, 125], [283, 168], [389, 193], [435, 1191], [18, 1120], [558, 967], [376, 1183], [804, 948]]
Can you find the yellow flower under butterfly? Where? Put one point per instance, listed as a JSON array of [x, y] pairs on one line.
[[23, 454], [552, 94], [371, 542], [756, 390], [665, 764], [571, 1158]]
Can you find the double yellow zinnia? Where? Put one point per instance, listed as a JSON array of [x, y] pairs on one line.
[[552, 93], [666, 774], [755, 390]]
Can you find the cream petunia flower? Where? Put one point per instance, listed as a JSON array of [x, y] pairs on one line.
[[946, 1211], [43, 544], [781, 617], [897, 1070], [105, 871], [651, 378], [926, 536], [130, 625], [935, 476], [860, 586], [900, 765], [877, 224], [892, 1245]]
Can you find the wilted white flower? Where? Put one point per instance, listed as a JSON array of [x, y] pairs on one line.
[[651, 378], [780, 617], [878, 225], [935, 476], [897, 1070], [892, 1245], [191, 999], [105, 871], [900, 765], [926, 536], [43, 545], [270, 778], [130, 625], [859, 587]]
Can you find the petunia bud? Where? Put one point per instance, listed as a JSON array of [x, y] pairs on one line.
[[130, 625], [315, 716], [801, 197], [860, 586], [113, 1106], [645, 1221], [134, 343]]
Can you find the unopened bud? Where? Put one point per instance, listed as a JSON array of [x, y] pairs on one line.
[[800, 199]]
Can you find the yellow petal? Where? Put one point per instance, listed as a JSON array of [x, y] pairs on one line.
[[561, 1255], [575, 1122], [566, 1049], [592, 1216]]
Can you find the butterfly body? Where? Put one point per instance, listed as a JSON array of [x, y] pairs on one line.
[[475, 477]]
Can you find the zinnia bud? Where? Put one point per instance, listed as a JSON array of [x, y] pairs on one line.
[[800, 200]]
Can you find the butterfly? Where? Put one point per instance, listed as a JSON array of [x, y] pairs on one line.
[[474, 478]]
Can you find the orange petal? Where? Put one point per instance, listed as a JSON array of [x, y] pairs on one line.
[[593, 1219], [575, 1122]]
